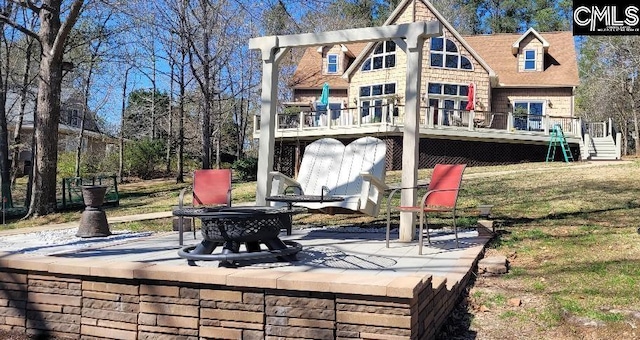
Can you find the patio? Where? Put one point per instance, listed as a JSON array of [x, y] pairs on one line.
[[344, 284]]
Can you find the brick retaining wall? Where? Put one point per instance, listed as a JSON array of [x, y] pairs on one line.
[[87, 299]]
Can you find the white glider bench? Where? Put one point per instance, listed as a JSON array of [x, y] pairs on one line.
[[355, 173]]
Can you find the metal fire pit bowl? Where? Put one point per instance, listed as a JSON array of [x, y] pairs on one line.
[[232, 226]]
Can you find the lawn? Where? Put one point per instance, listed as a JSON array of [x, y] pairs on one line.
[[569, 232]]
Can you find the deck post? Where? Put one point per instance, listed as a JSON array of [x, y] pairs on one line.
[[430, 114]]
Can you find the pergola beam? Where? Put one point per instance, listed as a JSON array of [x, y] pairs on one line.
[[411, 36], [353, 35]]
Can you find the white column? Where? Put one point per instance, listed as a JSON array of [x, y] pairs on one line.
[[411, 134], [271, 56]]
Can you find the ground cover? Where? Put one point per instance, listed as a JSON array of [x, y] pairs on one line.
[[571, 239], [569, 232]]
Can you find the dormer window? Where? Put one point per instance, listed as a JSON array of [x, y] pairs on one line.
[[530, 60], [445, 54], [332, 63], [384, 56]]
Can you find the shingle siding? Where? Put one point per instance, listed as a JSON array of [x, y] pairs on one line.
[[560, 99]]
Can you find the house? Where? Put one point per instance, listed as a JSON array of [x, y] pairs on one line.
[[486, 99], [95, 142]]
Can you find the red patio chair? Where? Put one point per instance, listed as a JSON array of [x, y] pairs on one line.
[[211, 187], [441, 196]]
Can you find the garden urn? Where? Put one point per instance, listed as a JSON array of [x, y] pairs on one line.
[[93, 222]]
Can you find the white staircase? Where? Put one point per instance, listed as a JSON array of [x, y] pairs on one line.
[[603, 149]]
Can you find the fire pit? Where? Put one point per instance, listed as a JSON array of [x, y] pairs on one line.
[[230, 227]]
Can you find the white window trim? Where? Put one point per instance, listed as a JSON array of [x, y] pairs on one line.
[[529, 102], [337, 63], [443, 95], [524, 58], [444, 54], [372, 98], [383, 55], [378, 96], [540, 123]]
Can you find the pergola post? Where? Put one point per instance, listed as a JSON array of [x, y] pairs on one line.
[[411, 134], [271, 56]]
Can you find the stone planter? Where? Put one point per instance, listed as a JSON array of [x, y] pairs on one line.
[[484, 210], [93, 222]]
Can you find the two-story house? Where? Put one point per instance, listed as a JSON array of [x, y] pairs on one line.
[[94, 142], [486, 99]]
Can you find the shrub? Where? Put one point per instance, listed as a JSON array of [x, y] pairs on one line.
[[66, 164], [246, 168], [141, 157]]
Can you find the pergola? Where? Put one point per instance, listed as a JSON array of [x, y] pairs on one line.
[[409, 37]]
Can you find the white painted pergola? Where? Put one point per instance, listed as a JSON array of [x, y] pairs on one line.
[[409, 37]]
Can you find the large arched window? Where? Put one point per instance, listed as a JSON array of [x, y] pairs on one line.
[[445, 54], [383, 56]]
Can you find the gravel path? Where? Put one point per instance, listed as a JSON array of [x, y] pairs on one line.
[[53, 242]]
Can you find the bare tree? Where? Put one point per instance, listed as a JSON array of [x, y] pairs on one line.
[[4, 136], [52, 34], [24, 97], [610, 66], [94, 57]]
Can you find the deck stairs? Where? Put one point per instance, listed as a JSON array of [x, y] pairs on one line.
[[602, 149]]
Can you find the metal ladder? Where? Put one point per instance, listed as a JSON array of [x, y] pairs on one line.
[[557, 138]]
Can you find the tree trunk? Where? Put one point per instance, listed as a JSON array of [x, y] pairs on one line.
[[81, 137], [122, 113], [23, 104], [634, 111], [181, 84], [170, 134], [5, 166], [47, 117]]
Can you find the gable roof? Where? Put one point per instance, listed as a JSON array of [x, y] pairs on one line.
[[516, 45], [561, 67], [309, 73], [397, 12]]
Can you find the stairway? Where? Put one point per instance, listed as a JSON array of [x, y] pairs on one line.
[[602, 149]]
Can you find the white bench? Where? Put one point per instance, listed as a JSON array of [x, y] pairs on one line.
[[354, 173]]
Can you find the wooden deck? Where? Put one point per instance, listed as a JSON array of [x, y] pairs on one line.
[[478, 126]]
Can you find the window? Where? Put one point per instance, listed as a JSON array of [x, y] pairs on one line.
[[445, 54], [449, 100], [384, 56], [530, 60], [528, 115], [74, 118], [332, 63], [371, 101]]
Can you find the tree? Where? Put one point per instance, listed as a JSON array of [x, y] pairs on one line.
[[138, 121], [609, 70], [5, 188], [94, 35], [551, 15], [52, 35]]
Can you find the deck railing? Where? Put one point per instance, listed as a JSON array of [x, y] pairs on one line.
[[391, 115]]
